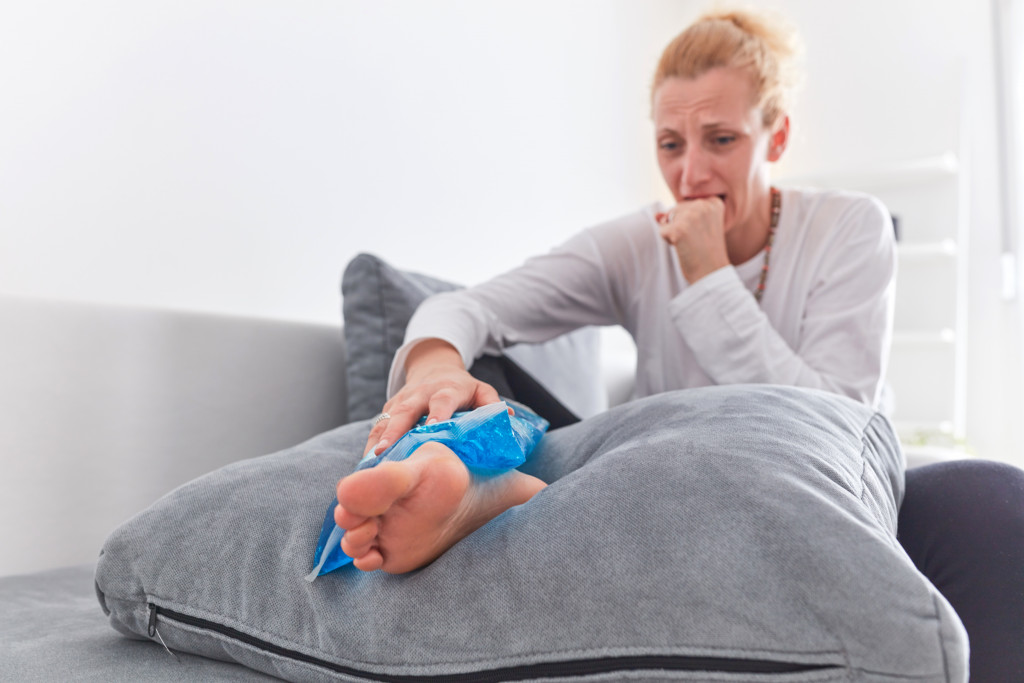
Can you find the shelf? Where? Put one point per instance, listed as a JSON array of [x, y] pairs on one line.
[[944, 336], [926, 249], [925, 438], [925, 170], [905, 428], [928, 370]]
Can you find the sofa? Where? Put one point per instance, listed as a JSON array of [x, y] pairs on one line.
[[108, 407]]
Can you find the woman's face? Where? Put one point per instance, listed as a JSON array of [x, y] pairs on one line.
[[712, 141]]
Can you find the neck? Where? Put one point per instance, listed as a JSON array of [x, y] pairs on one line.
[[745, 241]]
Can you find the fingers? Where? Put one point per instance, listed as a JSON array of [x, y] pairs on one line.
[[486, 395], [692, 219], [403, 417], [667, 233], [689, 210], [673, 224], [437, 400], [443, 405], [376, 432], [403, 414]]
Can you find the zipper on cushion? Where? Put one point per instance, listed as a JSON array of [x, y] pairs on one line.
[[572, 667], [151, 630]]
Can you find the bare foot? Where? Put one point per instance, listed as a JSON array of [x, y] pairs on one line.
[[400, 516]]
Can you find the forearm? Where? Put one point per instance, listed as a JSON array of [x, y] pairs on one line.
[[544, 298], [734, 341]]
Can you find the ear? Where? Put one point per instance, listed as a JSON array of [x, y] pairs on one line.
[[779, 138]]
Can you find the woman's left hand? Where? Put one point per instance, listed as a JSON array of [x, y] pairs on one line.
[[695, 227]]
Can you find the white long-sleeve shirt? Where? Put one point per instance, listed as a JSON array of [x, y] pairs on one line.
[[825, 319]]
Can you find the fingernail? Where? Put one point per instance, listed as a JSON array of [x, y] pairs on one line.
[[381, 445], [431, 420]]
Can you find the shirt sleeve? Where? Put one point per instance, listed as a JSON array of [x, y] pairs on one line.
[[570, 287], [846, 324]]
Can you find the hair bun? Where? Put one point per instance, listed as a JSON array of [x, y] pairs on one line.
[[761, 43]]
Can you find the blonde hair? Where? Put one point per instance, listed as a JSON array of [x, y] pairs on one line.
[[761, 45]]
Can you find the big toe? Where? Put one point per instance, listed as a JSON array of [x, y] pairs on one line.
[[372, 492]]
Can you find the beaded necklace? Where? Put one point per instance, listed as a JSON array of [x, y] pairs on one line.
[[776, 208]]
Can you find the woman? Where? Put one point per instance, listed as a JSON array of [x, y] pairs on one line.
[[737, 283]]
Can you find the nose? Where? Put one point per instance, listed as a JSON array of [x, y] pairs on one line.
[[695, 170]]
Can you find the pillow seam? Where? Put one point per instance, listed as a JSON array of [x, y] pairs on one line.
[[247, 628]]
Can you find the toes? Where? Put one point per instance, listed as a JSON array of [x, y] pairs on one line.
[[370, 562], [358, 541], [346, 519]]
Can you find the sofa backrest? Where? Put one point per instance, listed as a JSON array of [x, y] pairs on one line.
[[106, 408]]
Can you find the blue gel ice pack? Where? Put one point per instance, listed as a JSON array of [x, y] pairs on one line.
[[488, 440]]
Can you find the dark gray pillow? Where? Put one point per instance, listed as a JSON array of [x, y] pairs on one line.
[[377, 303], [728, 533]]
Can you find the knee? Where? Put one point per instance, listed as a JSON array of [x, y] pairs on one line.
[[999, 490], [963, 490]]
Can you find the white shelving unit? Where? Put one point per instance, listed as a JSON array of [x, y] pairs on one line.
[[928, 366]]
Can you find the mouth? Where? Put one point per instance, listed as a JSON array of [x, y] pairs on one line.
[[703, 196]]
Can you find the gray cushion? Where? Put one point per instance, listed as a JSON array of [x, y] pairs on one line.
[[707, 529], [377, 303], [51, 631]]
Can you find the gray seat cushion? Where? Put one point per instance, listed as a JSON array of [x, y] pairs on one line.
[[695, 535], [50, 630]]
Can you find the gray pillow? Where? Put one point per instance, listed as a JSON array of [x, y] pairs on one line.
[[377, 303], [728, 533]]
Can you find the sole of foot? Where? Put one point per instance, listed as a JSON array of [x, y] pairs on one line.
[[401, 516]]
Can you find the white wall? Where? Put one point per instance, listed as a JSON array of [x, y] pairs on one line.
[[233, 155]]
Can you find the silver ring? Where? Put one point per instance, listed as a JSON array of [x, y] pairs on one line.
[[671, 215], [381, 417]]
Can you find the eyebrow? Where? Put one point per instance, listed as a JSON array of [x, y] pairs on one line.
[[705, 127]]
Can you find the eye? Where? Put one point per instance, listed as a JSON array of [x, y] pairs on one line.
[[668, 145], [723, 140]]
